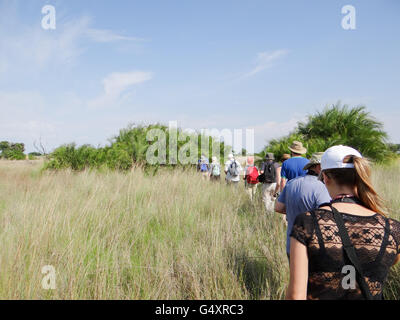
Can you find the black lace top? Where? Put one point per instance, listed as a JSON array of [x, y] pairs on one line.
[[377, 243]]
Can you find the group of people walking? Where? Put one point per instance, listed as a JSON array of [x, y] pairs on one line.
[[340, 243]]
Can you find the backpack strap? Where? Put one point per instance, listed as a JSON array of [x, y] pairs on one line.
[[351, 253], [318, 233], [384, 241]]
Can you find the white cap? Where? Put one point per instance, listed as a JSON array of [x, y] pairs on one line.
[[334, 156]]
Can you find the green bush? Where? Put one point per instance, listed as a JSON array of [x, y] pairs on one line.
[[118, 158], [354, 127], [128, 148], [69, 156], [12, 151]]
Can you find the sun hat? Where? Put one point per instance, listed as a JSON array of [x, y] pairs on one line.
[[315, 159], [269, 156], [333, 157], [297, 147]]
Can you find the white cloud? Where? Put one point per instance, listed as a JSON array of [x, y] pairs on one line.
[[99, 35], [117, 84], [29, 48], [265, 60]]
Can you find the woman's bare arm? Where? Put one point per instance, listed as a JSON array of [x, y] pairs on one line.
[[278, 179], [297, 289]]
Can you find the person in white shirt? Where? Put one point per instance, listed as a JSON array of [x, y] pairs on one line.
[[233, 170]]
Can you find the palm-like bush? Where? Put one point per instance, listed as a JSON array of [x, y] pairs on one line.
[[128, 148], [336, 125]]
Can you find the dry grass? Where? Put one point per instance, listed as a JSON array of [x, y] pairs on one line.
[[130, 236]]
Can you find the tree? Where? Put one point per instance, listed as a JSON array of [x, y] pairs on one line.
[[354, 127], [12, 151]]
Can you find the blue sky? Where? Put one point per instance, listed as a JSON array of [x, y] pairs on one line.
[[206, 64]]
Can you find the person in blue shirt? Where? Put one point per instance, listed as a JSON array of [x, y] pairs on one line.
[[203, 166], [293, 167], [302, 194]]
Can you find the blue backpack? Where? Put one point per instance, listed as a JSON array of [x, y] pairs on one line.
[[203, 166]]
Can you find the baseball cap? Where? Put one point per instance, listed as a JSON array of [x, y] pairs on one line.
[[333, 157]]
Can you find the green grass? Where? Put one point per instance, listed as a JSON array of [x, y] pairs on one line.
[[114, 235]]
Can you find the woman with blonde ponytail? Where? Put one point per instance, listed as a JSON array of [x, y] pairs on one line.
[[344, 249]]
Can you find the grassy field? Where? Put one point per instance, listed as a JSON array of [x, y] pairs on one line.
[[130, 236]]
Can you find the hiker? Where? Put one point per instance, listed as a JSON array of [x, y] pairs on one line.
[[284, 157], [269, 178], [293, 167], [203, 167], [348, 237], [251, 178], [302, 194], [215, 170], [233, 170]]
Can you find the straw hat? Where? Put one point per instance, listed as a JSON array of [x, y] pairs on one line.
[[297, 147]]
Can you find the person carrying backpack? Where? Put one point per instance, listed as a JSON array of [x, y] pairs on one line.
[[284, 157], [233, 170], [215, 170], [270, 180], [203, 167], [251, 178]]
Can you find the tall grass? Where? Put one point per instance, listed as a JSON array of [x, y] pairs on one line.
[[386, 178], [115, 235]]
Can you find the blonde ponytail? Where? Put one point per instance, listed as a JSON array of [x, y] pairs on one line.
[[364, 189]]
